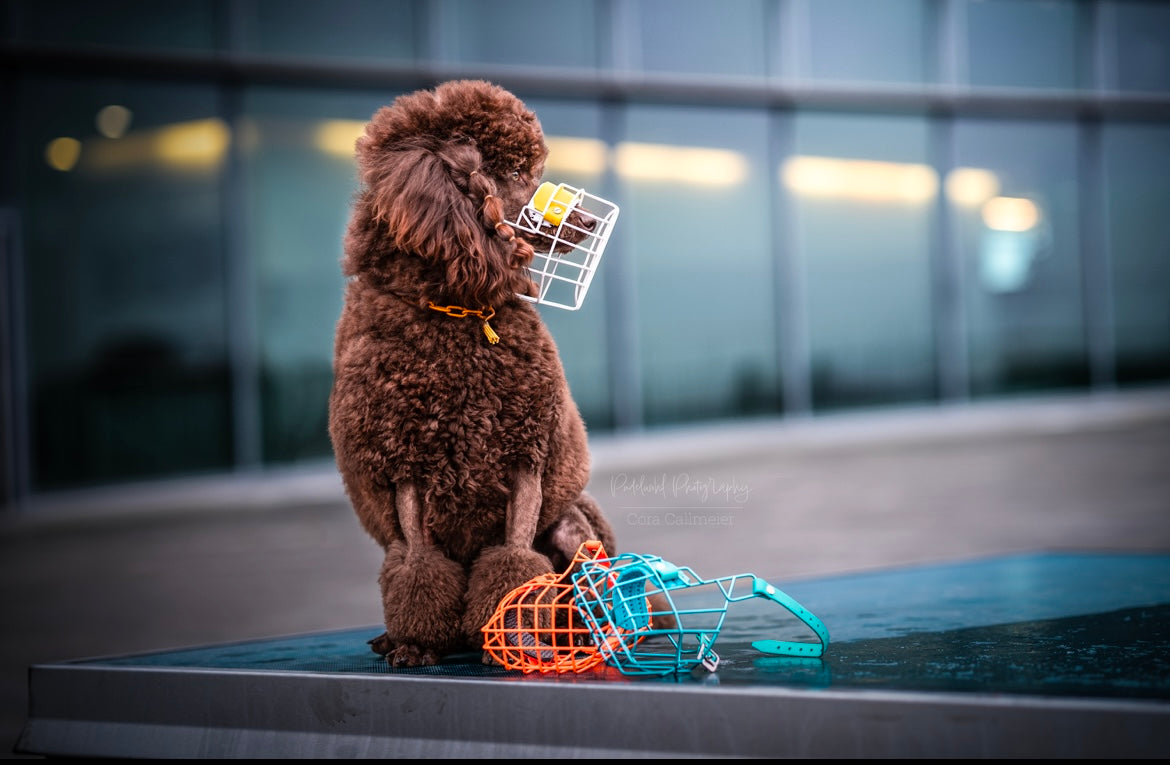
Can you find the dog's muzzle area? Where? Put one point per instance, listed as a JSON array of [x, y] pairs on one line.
[[568, 229]]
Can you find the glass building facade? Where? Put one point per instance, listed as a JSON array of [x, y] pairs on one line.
[[825, 204]]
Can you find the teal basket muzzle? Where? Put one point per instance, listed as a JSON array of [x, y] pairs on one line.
[[613, 596]]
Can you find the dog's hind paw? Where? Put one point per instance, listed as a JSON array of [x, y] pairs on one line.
[[381, 645], [412, 656]]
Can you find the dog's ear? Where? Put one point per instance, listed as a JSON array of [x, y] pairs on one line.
[[412, 193], [435, 203]]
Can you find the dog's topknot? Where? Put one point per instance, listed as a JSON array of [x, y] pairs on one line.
[[475, 112]]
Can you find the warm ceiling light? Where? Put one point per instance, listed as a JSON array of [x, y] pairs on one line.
[[62, 153], [581, 156], [113, 121], [1010, 214], [861, 179], [338, 137], [199, 143], [971, 186], [692, 165]]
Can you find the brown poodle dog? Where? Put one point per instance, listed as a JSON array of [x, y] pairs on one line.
[[464, 458]]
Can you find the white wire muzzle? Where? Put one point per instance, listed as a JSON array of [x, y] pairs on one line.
[[568, 228]]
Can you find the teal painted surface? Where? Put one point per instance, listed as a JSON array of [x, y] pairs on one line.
[[983, 592], [1049, 625]]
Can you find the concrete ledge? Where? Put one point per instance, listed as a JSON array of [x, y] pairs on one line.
[[123, 712]]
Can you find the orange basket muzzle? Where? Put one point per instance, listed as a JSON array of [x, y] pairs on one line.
[[537, 627]]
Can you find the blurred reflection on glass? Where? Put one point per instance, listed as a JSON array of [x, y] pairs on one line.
[[386, 29], [300, 178], [863, 193], [696, 218], [1139, 47], [125, 279], [1016, 235], [1024, 44], [579, 158], [696, 36], [864, 41], [1137, 161], [532, 32], [1021, 257]]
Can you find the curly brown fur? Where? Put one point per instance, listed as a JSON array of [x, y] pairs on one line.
[[466, 461]]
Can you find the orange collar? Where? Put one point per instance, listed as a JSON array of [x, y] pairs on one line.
[[460, 312]]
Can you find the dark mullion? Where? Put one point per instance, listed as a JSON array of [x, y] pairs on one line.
[[242, 288], [621, 315], [16, 444]]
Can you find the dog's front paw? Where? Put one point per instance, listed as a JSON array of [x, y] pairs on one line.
[[496, 572], [422, 601], [411, 656]]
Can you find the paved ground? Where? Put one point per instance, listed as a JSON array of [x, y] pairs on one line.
[[194, 562]]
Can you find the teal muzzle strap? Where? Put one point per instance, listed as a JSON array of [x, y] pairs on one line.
[[787, 647]]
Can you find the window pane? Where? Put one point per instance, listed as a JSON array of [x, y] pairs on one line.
[[1142, 45], [699, 37], [1015, 200], [1023, 43], [864, 41], [125, 279], [1138, 184], [578, 157], [530, 32], [186, 24], [301, 180], [696, 217], [862, 192], [347, 28]]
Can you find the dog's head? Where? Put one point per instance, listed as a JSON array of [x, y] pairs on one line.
[[444, 171]]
